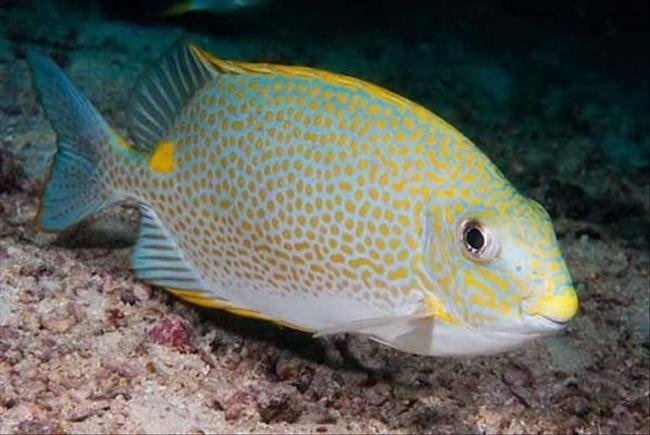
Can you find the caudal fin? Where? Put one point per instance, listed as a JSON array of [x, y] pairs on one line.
[[74, 188]]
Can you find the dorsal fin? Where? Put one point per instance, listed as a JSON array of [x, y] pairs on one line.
[[162, 91]]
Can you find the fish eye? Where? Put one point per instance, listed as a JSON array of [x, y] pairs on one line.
[[477, 241], [474, 239]]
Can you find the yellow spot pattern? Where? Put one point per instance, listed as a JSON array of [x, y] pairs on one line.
[[284, 180]]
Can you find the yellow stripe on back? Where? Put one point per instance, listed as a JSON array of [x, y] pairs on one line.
[[232, 67]]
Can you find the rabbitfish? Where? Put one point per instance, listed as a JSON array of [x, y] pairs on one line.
[[313, 200]]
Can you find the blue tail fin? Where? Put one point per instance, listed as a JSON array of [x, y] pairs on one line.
[[75, 188]]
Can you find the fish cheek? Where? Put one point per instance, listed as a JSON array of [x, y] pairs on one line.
[[443, 262]]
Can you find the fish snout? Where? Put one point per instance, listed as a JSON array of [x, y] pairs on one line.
[[558, 307]]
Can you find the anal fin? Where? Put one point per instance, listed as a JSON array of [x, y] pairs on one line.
[[157, 258], [204, 299]]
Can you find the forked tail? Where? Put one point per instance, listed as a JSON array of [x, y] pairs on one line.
[[75, 188]]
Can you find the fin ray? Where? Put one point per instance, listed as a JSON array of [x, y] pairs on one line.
[[362, 326], [162, 92], [157, 259], [74, 188]]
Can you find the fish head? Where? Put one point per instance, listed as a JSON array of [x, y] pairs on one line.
[[499, 272], [534, 263]]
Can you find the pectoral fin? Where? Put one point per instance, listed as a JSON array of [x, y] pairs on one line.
[[365, 326], [409, 333]]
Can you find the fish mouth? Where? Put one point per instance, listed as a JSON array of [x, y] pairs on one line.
[[545, 324], [554, 311], [558, 323]]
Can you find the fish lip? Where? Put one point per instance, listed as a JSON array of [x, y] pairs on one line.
[[559, 323], [534, 316], [544, 323]]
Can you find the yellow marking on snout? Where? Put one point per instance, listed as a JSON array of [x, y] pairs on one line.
[[560, 308], [162, 160]]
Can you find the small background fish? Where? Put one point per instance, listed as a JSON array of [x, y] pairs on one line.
[[211, 6]]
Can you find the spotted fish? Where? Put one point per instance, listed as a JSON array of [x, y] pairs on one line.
[[214, 6], [313, 200]]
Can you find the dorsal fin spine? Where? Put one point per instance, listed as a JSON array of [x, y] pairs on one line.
[[163, 91]]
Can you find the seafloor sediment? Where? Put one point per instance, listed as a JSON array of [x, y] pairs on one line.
[[85, 347]]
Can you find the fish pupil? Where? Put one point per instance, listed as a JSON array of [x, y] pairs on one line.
[[474, 239]]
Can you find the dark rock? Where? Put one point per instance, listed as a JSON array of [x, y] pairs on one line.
[[281, 404]]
